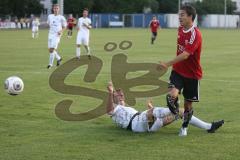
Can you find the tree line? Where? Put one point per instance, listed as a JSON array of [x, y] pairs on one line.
[[139, 6], [23, 8], [20, 8]]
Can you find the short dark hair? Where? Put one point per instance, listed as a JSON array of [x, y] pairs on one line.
[[56, 5], [85, 9], [190, 10]]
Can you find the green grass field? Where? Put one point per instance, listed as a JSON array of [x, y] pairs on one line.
[[29, 128]]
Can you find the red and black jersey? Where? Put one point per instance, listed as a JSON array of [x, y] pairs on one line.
[[154, 25], [71, 22], [191, 42]]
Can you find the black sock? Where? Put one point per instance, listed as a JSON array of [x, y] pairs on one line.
[[152, 40], [187, 115]]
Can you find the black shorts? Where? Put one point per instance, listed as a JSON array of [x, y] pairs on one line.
[[189, 86], [70, 28], [154, 34]]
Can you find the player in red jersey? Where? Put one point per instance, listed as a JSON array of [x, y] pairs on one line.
[[186, 67], [70, 24], [154, 25]]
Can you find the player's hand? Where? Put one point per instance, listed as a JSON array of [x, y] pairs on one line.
[[60, 33], [149, 104], [162, 66], [110, 87], [85, 24]]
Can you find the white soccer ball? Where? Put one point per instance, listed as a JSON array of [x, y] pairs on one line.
[[14, 85]]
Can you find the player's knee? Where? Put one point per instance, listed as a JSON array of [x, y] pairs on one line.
[[181, 112], [174, 92], [187, 105], [78, 45]]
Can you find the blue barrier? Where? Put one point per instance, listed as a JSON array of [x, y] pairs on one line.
[[129, 20]]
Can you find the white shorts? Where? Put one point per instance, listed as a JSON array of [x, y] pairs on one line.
[[82, 39], [140, 122], [34, 29], [53, 41]]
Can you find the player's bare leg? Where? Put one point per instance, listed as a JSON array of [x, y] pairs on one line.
[[78, 51]]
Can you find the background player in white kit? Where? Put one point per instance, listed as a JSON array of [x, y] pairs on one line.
[[35, 27], [150, 120], [84, 25], [57, 24]]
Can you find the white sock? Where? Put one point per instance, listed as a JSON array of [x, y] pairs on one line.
[[160, 112], [57, 55], [199, 123], [51, 58], [78, 51], [88, 50], [33, 35]]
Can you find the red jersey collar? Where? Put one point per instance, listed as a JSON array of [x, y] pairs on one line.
[[188, 29]]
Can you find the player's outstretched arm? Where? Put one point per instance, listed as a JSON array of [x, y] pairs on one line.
[[110, 105], [150, 23], [179, 58], [63, 29]]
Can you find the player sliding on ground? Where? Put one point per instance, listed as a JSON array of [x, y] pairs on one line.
[[57, 24], [149, 120], [84, 25]]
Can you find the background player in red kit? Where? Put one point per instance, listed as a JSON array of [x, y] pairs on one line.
[[186, 68], [70, 24], [154, 25]]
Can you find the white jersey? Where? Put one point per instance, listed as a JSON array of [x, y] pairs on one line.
[[122, 115], [35, 23], [56, 23], [81, 25]]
